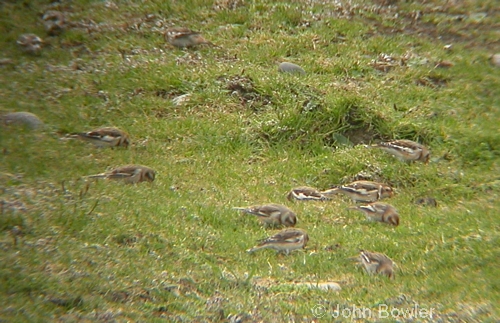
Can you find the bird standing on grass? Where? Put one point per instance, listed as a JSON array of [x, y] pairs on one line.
[[376, 263], [284, 241], [53, 22], [185, 38], [272, 214], [30, 43], [105, 137], [129, 174], [381, 212], [306, 193], [363, 191], [405, 150]]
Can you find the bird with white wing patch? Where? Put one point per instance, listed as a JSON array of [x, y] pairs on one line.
[[405, 150], [272, 214]]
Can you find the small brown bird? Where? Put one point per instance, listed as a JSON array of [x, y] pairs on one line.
[[363, 191], [305, 193], [405, 150], [377, 263], [129, 174], [272, 214], [284, 241], [378, 211], [185, 38], [105, 137], [30, 43], [54, 22]]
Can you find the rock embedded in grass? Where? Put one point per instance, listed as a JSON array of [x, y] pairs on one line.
[[495, 60], [22, 118], [287, 67], [328, 286]]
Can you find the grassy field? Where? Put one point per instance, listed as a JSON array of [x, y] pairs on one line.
[[175, 250]]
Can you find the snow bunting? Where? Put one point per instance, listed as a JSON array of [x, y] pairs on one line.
[[377, 263], [405, 150], [54, 22], [284, 241], [105, 137], [30, 43], [184, 38], [272, 214], [363, 191], [130, 174], [381, 212], [304, 193]]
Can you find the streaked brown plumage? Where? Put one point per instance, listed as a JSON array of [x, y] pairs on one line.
[[377, 263], [272, 214], [378, 211], [105, 137], [306, 193], [284, 241], [185, 38], [129, 174], [363, 191], [405, 150], [30, 43]]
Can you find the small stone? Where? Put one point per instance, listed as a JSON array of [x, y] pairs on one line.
[[22, 118], [328, 286], [495, 60], [286, 67]]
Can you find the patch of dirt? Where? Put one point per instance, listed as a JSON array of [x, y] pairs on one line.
[[67, 302], [426, 201], [433, 81], [370, 173], [166, 94], [127, 239], [228, 4], [244, 89], [362, 135], [359, 131], [131, 295], [448, 21], [457, 29]]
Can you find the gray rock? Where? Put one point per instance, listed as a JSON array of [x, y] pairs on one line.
[[22, 118], [286, 67]]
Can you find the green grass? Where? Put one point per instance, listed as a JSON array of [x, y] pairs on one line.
[[175, 250]]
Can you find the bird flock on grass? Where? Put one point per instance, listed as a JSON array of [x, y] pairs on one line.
[[365, 194]]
